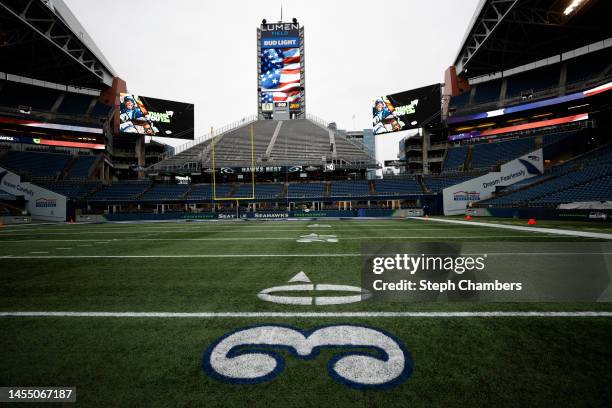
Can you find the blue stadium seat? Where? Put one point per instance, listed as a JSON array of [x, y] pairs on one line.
[[358, 188], [438, 183], [262, 190], [306, 190], [82, 167], [487, 91], [76, 104], [47, 165], [455, 158], [491, 154], [201, 192], [398, 187], [73, 189], [122, 191], [165, 192]]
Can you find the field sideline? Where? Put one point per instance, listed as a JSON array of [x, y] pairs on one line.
[[125, 312]]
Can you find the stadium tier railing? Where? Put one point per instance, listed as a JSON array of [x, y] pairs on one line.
[[323, 123], [48, 115], [537, 94]]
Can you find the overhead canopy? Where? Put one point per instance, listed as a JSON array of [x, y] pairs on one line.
[[505, 34], [43, 40]]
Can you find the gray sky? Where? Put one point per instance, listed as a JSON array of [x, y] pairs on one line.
[[204, 52]]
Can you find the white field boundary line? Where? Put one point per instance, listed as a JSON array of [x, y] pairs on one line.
[[555, 231], [198, 225], [244, 231], [341, 238], [306, 314], [315, 255]]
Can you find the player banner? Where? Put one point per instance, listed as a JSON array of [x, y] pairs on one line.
[[144, 115], [406, 110]]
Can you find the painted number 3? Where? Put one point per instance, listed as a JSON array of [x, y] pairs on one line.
[[370, 357]]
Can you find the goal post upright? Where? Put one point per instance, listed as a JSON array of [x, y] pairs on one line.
[[252, 197]]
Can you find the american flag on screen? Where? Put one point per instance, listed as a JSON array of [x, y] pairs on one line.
[[280, 75]]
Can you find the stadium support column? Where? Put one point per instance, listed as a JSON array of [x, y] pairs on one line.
[[563, 79], [502, 92], [140, 156], [425, 147]]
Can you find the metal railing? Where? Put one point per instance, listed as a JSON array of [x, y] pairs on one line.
[[536, 95], [229, 127], [322, 122]]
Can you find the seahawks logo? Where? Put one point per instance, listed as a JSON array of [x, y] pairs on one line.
[[370, 358]]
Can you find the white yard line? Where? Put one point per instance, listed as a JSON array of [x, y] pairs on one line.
[[555, 231], [183, 256], [306, 314]]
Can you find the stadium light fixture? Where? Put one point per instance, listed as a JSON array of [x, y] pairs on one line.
[[573, 6]]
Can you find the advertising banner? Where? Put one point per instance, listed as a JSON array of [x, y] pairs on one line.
[[457, 198], [41, 203], [280, 65]]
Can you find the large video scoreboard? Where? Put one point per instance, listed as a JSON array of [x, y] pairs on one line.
[[280, 85]]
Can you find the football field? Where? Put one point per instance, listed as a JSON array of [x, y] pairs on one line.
[[144, 314]]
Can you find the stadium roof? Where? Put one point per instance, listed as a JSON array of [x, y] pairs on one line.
[[507, 33], [42, 39]]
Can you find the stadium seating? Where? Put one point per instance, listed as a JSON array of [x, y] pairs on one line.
[[553, 191], [201, 192], [269, 190], [76, 104], [299, 142], [164, 192], [44, 165], [491, 154], [263, 190], [350, 188], [100, 110], [589, 66], [234, 148], [460, 100], [398, 187], [487, 92], [595, 190], [122, 191], [14, 94], [437, 184], [533, 80], [306, 190], [73, 190], [455, 158], [81, 168]]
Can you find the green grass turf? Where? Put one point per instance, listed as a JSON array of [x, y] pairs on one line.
[[539, 361]]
